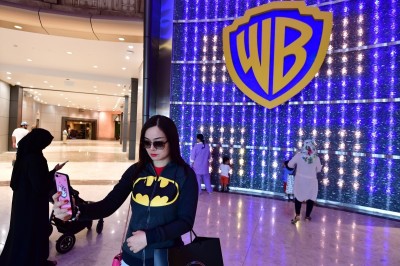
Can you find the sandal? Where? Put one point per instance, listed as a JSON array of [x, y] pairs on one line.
[[295, 219]]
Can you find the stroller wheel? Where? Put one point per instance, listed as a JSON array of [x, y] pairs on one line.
[[65, 243], [99, 227], [50, 229]]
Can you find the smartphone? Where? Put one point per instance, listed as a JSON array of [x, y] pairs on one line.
[[62, 185]]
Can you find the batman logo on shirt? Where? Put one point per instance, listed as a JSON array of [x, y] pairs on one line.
[[165, 193]]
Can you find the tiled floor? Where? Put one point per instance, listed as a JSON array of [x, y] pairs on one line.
[[252, 230]]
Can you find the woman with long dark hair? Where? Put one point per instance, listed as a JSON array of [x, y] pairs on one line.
[[163, 193]]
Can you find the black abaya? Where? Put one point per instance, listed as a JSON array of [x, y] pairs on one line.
[[27, 241]]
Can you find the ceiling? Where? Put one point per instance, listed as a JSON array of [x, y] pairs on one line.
[[74, 67]]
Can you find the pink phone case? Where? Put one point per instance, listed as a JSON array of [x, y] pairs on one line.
[[62, 184]]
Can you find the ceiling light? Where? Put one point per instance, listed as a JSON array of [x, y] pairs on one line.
[[18, 27], [29, 60], [95, 86], [95, 90], [95, 66], [45, 81], [130, 46], [127, 57], [69, 52], [8, 77], [18, 83], [51, 86], [8, 73], [121, 39], [123, 68]]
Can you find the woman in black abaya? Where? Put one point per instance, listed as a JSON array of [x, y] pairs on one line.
[[27, 241]]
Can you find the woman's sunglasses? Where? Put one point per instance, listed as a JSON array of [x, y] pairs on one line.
[[158, 144]]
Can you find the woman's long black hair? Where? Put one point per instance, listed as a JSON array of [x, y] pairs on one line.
[[166, 125]]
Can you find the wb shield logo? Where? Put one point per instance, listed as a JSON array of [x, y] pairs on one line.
[[275, 50]]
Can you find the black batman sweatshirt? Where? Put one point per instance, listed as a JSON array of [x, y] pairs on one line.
[[171, 212]]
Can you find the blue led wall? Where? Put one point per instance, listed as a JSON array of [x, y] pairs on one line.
[[351, 108]]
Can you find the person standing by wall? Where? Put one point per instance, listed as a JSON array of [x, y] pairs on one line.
[[225, 167], [65, 136], [200, 162], [307, 165], [18, 134], [288, 181]]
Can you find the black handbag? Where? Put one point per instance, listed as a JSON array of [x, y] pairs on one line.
[[202, 251]]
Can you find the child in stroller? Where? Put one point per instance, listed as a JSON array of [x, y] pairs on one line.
[[67, 241]]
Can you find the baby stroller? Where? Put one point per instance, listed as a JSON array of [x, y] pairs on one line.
[[67, 241]]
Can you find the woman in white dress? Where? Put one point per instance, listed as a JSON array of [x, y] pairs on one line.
[[307, 165]]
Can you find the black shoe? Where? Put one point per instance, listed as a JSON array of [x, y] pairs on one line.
[[295, 219]]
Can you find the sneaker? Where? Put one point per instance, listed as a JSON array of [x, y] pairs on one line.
[[295, 219], [308, 218]]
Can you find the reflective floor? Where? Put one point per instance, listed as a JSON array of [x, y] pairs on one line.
[[253, 230]]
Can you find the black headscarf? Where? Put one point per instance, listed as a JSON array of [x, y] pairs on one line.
[[33, 143]]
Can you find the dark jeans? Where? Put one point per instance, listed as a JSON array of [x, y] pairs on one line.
[[297, 206]]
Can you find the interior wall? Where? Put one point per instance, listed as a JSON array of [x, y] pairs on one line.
[[351, 109], [106, 125], [4, 115], [50, 117]]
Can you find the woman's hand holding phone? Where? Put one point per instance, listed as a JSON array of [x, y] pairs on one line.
[[59, 212]]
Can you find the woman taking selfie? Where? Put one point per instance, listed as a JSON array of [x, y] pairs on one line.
[[163, 195]]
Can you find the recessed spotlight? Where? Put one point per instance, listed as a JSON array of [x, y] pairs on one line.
[[45, 81], [123, 68], [127, 57], [8, 73], [121, 39], [29, 60], [130, 46], [51, 86], [118, 85], [18, 83], [8, 77], [18, 27], [95, 66], [69, 52], [95, 86], [95, 90]]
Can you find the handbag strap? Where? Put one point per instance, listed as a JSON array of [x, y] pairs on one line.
[[192, 231], [125, 228]]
